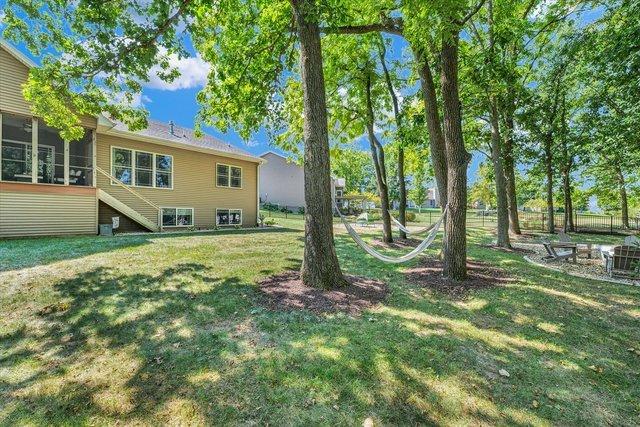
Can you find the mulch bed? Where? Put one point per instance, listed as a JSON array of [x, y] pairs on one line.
[[428, 274], [287, 292]]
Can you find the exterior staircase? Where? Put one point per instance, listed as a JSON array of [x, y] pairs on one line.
[[125, 209]]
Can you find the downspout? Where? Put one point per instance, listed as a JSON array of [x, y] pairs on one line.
[[258, 194]]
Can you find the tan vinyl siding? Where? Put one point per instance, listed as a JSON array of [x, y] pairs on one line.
[[41, 214], [13, 74], [194, 184]]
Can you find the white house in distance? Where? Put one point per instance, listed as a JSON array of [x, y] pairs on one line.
[[281, 182]]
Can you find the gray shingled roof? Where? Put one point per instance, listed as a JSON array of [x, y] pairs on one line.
[[182, 135]]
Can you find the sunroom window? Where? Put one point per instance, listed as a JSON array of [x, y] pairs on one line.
[[228, 216], [16, 148], [177, 217], [81, 160]]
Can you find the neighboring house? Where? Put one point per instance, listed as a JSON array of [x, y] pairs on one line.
[[433, 199], [282, 182], [159, 178]]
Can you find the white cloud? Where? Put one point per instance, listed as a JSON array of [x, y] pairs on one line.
[[137, 100], [193, 74]]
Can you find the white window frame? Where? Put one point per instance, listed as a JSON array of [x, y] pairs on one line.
[[133, 167], [150, 169], [229, 210], [193, 216], [229, 176]]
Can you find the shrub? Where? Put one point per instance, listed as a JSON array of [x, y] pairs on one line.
[[270, 207], [410, 216], [301, 210], [270, 221], [284, 209]]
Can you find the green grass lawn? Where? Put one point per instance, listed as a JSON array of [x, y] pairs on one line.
[[170, 329]]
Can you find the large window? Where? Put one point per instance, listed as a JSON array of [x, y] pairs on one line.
[[54, 156], [177, 217], [228, 176], [141, 168], [228, 216]]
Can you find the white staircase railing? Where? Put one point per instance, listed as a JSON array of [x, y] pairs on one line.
[[136, 194]]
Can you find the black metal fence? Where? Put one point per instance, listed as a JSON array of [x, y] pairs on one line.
[[538, 221], [533, 221]]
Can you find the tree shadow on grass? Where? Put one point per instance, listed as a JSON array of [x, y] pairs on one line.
[[187, 345]]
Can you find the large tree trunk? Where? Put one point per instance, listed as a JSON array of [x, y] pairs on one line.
[[455, 240], [501, 188], [548, 160], [437, 145], [624, 203], [510, 175], [320, 267], [377, 153]]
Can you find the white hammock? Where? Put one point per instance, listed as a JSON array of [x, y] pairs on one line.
[[407, 257], [407, 231]]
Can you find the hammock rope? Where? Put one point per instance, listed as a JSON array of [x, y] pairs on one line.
[[428, 240], [411, 232]]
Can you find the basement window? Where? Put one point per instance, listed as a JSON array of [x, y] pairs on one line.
[[228, 217], [177, 217]]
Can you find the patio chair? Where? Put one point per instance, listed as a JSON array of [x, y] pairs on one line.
[[622, 261], [556, 255], [563, 237], [363, 220]]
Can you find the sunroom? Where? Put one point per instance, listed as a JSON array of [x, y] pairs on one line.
[[32, 152]]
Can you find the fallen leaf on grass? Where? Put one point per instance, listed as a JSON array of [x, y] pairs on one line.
[[504, 373], [535, 404], [598, 369]]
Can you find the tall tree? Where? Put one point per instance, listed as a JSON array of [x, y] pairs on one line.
[[397, 114], [320, 267]]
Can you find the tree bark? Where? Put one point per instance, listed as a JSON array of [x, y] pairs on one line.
[[510, 175], [455, 240], [437, 145], [624, 203], [567, 160], [568, 225], [548, 160], [402, 209], [377, 153], [402, 184], [501, 188], [320, 267]]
